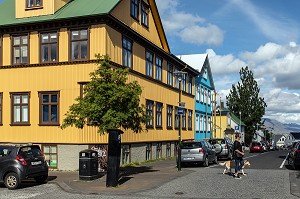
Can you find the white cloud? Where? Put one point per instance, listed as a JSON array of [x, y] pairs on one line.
[[270, 24], [188, 27]]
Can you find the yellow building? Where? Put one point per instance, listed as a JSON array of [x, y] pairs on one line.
[[227, 124], [47, 50]]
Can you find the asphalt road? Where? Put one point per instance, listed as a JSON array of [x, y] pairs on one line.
[[268, 177]]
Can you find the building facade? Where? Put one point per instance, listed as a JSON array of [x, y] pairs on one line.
[[47, 51], [204, 89]]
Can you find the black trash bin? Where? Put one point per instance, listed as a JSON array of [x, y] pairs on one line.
[[88, 164]]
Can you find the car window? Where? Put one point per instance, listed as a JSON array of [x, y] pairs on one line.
[[5, 151], [191, 145], [30, 151], [216, 141]]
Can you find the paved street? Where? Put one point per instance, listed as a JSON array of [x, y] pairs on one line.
[[268, 177]]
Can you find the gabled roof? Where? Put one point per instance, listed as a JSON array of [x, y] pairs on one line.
[[296, 135], [73, 9], [197, 61]]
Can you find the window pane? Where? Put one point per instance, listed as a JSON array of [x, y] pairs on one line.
[[16, 55], [24, 113], [25, 99], [53, 37], [53, 149], [44, 53], [74, 50], [54, 113], [46, 149], [16, 40], [45, 113], [83, 49], [17, 99], [45, 38], [75, 35], [24, 40], [24, 54], [53, 52], [17, 115], [83, 34], [53, 98], [45, 98]]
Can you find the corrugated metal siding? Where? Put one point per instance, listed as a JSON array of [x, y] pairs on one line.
[[6, 50]]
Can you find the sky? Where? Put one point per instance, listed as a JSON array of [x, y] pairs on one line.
[[261, 34]]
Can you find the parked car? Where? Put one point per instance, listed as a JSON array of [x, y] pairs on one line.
[[198, 152], [226, 147], [18, 163], [265, 146], [256, 147], [294, 156]]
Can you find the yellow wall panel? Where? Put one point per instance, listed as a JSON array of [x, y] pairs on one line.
[[34, 48], [114, 45], [6, 49], [97, 40], [59, 3], [63, 45]]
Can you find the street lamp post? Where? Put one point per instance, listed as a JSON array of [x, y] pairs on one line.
[[180, 105]]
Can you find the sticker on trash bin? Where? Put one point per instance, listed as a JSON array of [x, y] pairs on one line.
[[93, 154], [119, 137], [83, 154]]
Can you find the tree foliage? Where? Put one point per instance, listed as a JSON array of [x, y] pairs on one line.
[[108, 101], [244, 98]]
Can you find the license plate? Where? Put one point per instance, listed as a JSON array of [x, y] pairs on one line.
[[36, 163], [188, 158]]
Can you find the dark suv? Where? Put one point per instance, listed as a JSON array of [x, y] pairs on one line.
[[18, 163]]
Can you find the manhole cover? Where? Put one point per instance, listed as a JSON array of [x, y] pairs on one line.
[[179, 193]]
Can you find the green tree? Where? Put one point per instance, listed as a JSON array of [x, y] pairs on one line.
[[108, 101], [244, 98]]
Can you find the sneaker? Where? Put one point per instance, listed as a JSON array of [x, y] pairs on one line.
[[237, 177]]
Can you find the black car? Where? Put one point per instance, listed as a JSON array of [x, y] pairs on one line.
[[18, 163], [294, 156]]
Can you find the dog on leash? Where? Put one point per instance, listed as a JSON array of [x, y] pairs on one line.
[[231, 164]]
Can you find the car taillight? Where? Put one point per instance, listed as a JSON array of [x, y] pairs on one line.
[[226, 146], [201, 150], [21, 159], [297, 151]]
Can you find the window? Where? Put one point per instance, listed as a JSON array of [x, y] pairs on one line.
[[49, 108], [208, 125], [190, 113], [190, 80], [126, 157], [20, 49], [177, 116], [127, 52], [176, 78], [198, 93], [158, 63], [159, 114], [50, 153], [1, 94], [169, 116], [20, 108], [201, 94], [158, 150], [149, 64], [33, 3], [149, 151], [170, 74], [145, 13], [201, 123], [149, 111], [49, 47], [197, 123], [205, 123], [183, 82], [79, 44], [209, 97], [135, 8], [183, 118]]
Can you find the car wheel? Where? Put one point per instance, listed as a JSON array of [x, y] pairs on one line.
[[205, 163], [12, 181], [41, 179]]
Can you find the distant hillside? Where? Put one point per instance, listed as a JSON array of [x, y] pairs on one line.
[[280, 128]]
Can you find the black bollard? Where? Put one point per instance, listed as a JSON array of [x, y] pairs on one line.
[[114, 153]]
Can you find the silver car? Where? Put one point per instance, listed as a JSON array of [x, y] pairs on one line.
[[224, 147], [198, 152]]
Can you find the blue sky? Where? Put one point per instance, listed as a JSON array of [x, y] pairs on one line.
[[261, 34]]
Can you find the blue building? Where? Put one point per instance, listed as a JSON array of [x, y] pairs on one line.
[[204, 90]]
